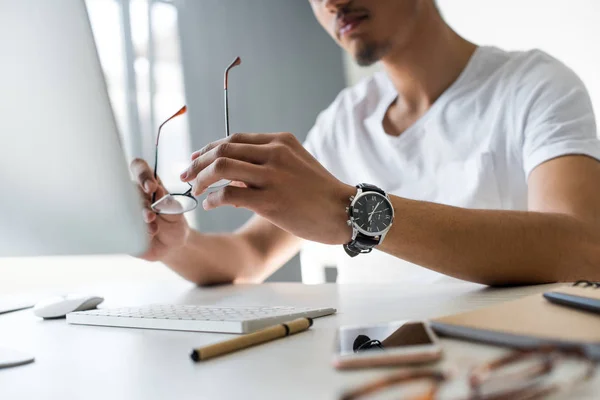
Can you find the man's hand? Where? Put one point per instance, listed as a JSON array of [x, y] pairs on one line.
[[167, 232], [283, 183]]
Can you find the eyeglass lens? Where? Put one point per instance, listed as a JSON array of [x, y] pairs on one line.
[[174, 204]]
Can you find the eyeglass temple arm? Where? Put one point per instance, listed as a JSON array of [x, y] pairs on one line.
[[235, 62], [181, 111], [436, 377]]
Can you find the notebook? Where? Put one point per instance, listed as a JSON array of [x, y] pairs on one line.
[[528, 322]]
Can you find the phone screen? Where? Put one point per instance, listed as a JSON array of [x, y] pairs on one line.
[[381, 337]]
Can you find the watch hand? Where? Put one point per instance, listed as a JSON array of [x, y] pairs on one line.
[[373, 212], [377, 206]]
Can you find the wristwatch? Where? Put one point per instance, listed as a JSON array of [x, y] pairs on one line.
[[370, 215]]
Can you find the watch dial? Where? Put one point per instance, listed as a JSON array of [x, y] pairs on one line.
[[372, 212]]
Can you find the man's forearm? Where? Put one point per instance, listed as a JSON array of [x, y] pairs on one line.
[[250, 254], [494, 247], [208, 259]]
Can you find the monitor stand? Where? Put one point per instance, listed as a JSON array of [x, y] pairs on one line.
[[13, 358], [9, 357]]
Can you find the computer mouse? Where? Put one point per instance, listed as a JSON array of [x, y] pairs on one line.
[[60, 306]]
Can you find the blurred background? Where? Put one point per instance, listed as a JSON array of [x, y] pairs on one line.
[[158, 55]]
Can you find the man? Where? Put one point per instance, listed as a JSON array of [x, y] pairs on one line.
[[489, 160]]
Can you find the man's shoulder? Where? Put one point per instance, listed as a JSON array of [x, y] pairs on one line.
[[532, 67]]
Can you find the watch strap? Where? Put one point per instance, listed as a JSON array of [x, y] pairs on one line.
[[370, 188], [362, 244]]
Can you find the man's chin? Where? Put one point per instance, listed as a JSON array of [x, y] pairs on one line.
[[368, 54], [364, 62]]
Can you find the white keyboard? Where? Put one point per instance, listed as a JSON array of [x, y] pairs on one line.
[[195, 318]]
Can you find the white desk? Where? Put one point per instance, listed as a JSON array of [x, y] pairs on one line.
[[84, 362]]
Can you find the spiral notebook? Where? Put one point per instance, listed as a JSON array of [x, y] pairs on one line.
[[532, 321]]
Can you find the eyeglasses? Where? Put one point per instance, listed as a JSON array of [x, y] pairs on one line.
[[180, 203], [520, 375]]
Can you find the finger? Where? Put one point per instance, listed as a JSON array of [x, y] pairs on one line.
[[247, 138], [152, 228], [251, 153], [230, 169], [143, 175], [145, 196], [156, 187], [232, 196], [170, 219], [149, 216]]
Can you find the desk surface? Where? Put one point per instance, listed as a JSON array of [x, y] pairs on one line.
[[77, 362]]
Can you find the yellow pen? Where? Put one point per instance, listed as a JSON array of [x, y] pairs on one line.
[[251, 339]]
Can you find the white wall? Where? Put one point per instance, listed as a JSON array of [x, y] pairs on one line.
[[568, 30]]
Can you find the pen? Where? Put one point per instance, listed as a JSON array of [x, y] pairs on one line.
[[251, 339]]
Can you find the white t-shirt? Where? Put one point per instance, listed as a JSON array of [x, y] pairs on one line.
[[475, 147]]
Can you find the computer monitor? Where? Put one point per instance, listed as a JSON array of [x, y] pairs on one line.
[[64, 181]]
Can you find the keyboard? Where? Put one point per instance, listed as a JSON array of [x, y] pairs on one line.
[[195, 318]]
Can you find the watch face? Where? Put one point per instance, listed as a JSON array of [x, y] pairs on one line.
[[372, 213]]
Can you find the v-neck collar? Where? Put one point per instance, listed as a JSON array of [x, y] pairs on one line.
[[375, 121]]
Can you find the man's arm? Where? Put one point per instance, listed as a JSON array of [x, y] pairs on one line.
[[251, 254], [558, 239]]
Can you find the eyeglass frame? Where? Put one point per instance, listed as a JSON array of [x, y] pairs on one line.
[[188, 193], [481, 374], [182, 111]]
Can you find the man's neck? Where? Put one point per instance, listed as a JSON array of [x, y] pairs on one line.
[[425, 68]]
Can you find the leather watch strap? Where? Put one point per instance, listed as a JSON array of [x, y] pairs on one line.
[[361, 245], [370, 188]]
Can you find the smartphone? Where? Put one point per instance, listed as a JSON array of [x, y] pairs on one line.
[[393, 343]]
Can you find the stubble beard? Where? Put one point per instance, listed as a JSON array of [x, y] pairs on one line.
[[370, 53]]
